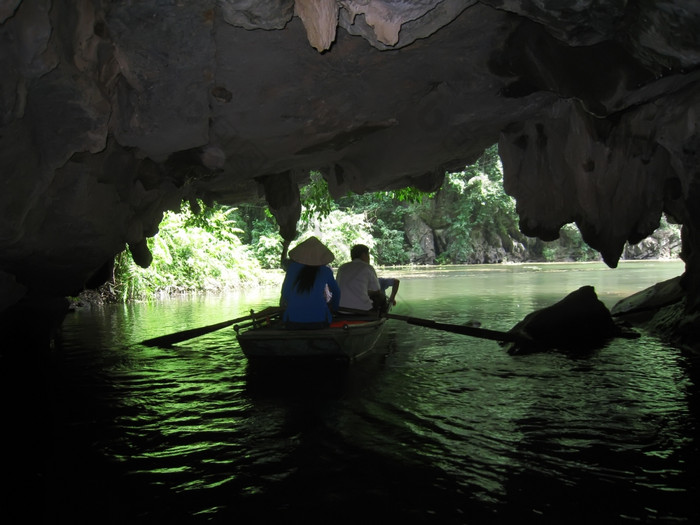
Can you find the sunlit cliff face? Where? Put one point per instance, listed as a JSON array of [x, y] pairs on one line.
[[112, 112]]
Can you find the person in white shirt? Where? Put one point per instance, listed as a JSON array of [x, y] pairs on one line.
[[360, 288]]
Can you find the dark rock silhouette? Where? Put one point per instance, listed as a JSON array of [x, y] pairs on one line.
[[580, 322]]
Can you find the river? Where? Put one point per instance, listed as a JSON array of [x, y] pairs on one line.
[[432, 427]]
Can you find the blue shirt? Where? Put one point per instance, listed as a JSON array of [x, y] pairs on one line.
[[310, 307]]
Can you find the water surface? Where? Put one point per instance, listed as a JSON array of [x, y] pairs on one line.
[[432, 427]]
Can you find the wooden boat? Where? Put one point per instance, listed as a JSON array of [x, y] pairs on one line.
[[350, 336], [347, 339]]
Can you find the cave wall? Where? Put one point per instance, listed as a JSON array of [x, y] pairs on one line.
[[112, 112]]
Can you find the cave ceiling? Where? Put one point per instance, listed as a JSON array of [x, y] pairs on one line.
[[114, 111]]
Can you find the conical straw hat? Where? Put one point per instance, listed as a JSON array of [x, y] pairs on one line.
[[311, 252]]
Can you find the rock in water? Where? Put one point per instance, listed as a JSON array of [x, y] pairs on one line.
[[579, 322], [644, 304]]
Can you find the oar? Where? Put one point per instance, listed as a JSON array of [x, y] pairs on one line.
[[473, 331], [178, 337]]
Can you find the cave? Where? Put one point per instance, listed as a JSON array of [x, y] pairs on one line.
[[114, 112]]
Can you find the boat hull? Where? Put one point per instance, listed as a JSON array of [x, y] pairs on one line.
[[346, 342]]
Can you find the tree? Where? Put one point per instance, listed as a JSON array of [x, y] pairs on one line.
[[192, 252]]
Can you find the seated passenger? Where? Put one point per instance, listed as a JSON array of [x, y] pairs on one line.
[[306, 286], [360, 289]]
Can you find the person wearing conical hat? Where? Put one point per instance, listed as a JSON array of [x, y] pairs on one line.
[[305, 284]]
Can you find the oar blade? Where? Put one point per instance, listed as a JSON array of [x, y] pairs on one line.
[[171, 339]]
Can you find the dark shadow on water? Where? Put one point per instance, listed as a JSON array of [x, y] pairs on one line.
[[297, 378], [315, 377]]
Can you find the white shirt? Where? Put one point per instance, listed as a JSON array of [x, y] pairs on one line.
[[356, 279]]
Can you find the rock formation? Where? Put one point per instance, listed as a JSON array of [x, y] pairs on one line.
[[577, 324], [112, 112]]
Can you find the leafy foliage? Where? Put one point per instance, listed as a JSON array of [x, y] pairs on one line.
[[476, 210], [316, 198], [190, 254], [409, 195], [339, 231]]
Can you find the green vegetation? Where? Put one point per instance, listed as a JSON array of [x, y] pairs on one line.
[[468, 220], [191, 253]]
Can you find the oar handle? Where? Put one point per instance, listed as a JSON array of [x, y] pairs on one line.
[[473, 331], [257, 322]]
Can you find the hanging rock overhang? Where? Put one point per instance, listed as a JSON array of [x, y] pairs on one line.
[[112, 113]]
